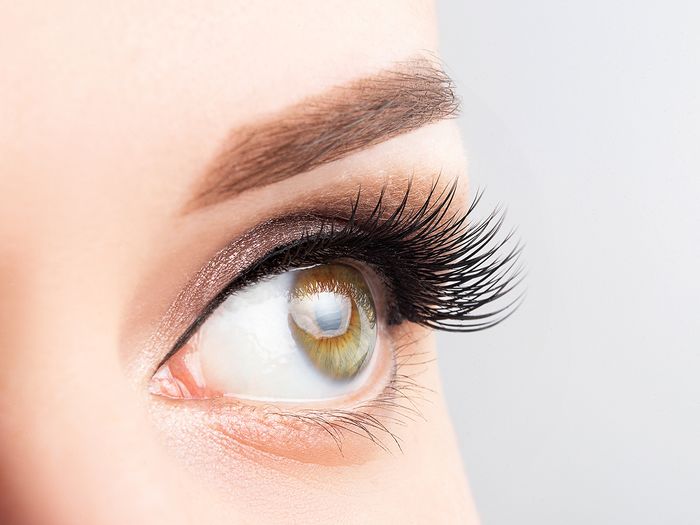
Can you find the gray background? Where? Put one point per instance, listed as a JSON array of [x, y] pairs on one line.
[[584, 117]]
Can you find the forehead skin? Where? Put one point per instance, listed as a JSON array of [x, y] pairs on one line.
[[109, 113]]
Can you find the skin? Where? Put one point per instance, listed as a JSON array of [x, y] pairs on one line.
[[110, 114]]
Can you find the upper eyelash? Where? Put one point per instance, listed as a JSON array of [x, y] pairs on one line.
[[449, 266]]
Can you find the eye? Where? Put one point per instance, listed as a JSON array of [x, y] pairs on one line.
[[303, 335], [318, 318]]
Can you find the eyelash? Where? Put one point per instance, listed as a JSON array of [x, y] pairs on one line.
[[451, 268], [395, 404]]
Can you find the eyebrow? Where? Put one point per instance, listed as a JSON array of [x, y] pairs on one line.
[[326, 127]]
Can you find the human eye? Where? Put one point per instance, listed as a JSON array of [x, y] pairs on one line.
[[302, 335], [311, 329]]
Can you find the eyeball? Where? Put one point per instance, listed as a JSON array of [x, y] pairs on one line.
[[303, 335]]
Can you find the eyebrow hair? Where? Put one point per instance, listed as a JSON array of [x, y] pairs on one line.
[[326, 127]]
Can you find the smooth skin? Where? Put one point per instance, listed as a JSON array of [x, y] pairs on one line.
[[109, 114]]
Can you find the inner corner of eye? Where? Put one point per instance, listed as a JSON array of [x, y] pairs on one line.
[[304, 335]]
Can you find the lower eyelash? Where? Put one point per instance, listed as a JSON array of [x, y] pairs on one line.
[[397, 404]]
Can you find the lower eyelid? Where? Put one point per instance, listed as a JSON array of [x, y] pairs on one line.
[[326, 436]]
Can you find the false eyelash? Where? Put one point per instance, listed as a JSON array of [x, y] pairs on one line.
[[441, 269]]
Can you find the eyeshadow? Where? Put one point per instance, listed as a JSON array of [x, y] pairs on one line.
[[280, 230]]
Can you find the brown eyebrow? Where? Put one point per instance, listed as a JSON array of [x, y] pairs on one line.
[[326, 127]]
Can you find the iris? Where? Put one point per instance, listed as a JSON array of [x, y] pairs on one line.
[[333, 319]]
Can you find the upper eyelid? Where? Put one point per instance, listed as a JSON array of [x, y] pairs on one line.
[[491, 275], [193, 264], [297, 225], [268, 265]]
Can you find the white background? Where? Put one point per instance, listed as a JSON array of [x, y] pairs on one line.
[[584, 117]]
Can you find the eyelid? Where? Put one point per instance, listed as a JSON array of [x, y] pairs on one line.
[[211, 251], [456, 266]]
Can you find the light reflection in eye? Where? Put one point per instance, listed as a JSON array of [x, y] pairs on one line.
[[303, 335]]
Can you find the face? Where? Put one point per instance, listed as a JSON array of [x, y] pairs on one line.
[[225, 235]]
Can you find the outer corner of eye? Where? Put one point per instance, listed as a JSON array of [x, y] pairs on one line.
[[301, 336]]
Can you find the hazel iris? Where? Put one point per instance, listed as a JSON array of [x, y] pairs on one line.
[[333, 319]]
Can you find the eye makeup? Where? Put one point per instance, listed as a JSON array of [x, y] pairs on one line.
[[437, 267]]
